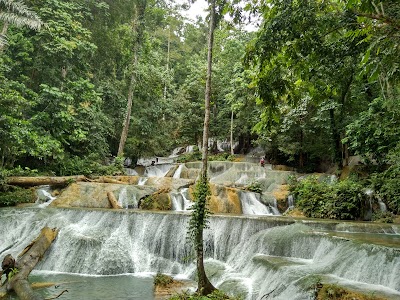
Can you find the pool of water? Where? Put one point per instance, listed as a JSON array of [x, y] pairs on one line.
[[119, 287]]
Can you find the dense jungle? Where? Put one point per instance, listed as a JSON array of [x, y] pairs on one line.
[[134, 92]]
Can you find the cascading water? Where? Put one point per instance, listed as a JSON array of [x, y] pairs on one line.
[[157, 170], [251, 205], [249, 256], [180, 200], [44, 197]]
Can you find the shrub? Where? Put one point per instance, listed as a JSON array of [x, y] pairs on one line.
[[319, 199], [192, 156], [88, 166], [387, 185], [162, 280], [16, 195], [255, 187]]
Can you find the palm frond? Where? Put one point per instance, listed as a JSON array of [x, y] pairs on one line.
[[17, 13]]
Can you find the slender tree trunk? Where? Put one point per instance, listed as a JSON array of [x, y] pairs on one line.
[[168, 51], [204, 285], [232, 150], [137, 28], [125, 127], [301, 156], [336, 139]]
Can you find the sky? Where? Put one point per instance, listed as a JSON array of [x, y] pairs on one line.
[[199, 7]]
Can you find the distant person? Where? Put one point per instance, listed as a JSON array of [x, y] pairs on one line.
[[262, 162], [153, 162]]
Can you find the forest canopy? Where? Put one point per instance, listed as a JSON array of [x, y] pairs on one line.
[[317, 83]]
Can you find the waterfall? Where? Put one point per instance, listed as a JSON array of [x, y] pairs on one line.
[[44, 197], [251, 256], [382, 205], [142, 180], [178, 171], [157, 170], [180, 200], [290, 200], [251, 205], [127, 201]]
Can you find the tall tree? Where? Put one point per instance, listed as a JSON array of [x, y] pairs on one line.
[[137, 29]]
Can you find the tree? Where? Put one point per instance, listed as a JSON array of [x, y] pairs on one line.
[[18, 14], [303, 52], [137, 30]]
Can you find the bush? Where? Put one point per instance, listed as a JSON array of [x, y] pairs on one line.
[[162, 280], [387, 185], [255, 187], [16, 195], [347, 202], [311, 196], [318, 199], [224, 156], [88, 166], [192, 156]]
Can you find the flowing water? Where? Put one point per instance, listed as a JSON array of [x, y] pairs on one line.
[[104, 254]]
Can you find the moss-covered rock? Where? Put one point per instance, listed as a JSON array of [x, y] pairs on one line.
[[160, 200]]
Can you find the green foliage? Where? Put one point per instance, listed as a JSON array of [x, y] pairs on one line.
[[191, 156], [162, 280], [159, 201], [383, 217], [215, 295], [15, 195], [387, 183], [200, 212], [375, 131], [255, 186], [319, 199], [14, 271], [224, 156], [89, 166], [336, 292]]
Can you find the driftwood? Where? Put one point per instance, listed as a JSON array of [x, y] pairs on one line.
[[113, 201], [45, 180], [25, 263]]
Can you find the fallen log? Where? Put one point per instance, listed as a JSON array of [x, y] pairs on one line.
[[45, 180], [113, 201], [25, 263]]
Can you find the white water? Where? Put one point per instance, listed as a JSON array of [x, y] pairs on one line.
[[251, 205], [180, 200], [44, 197], [157, 170], [142, 180], [244, 255]]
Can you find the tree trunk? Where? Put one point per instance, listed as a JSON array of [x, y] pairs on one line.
[[232, 150], [113, 201], [125, 127], [137, 28], [204, 286], [44, 180], [336, 139], [28, 259]]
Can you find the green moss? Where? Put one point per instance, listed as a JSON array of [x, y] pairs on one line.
[[335, 292], [162, 280], [216, 295], [157, 201]]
